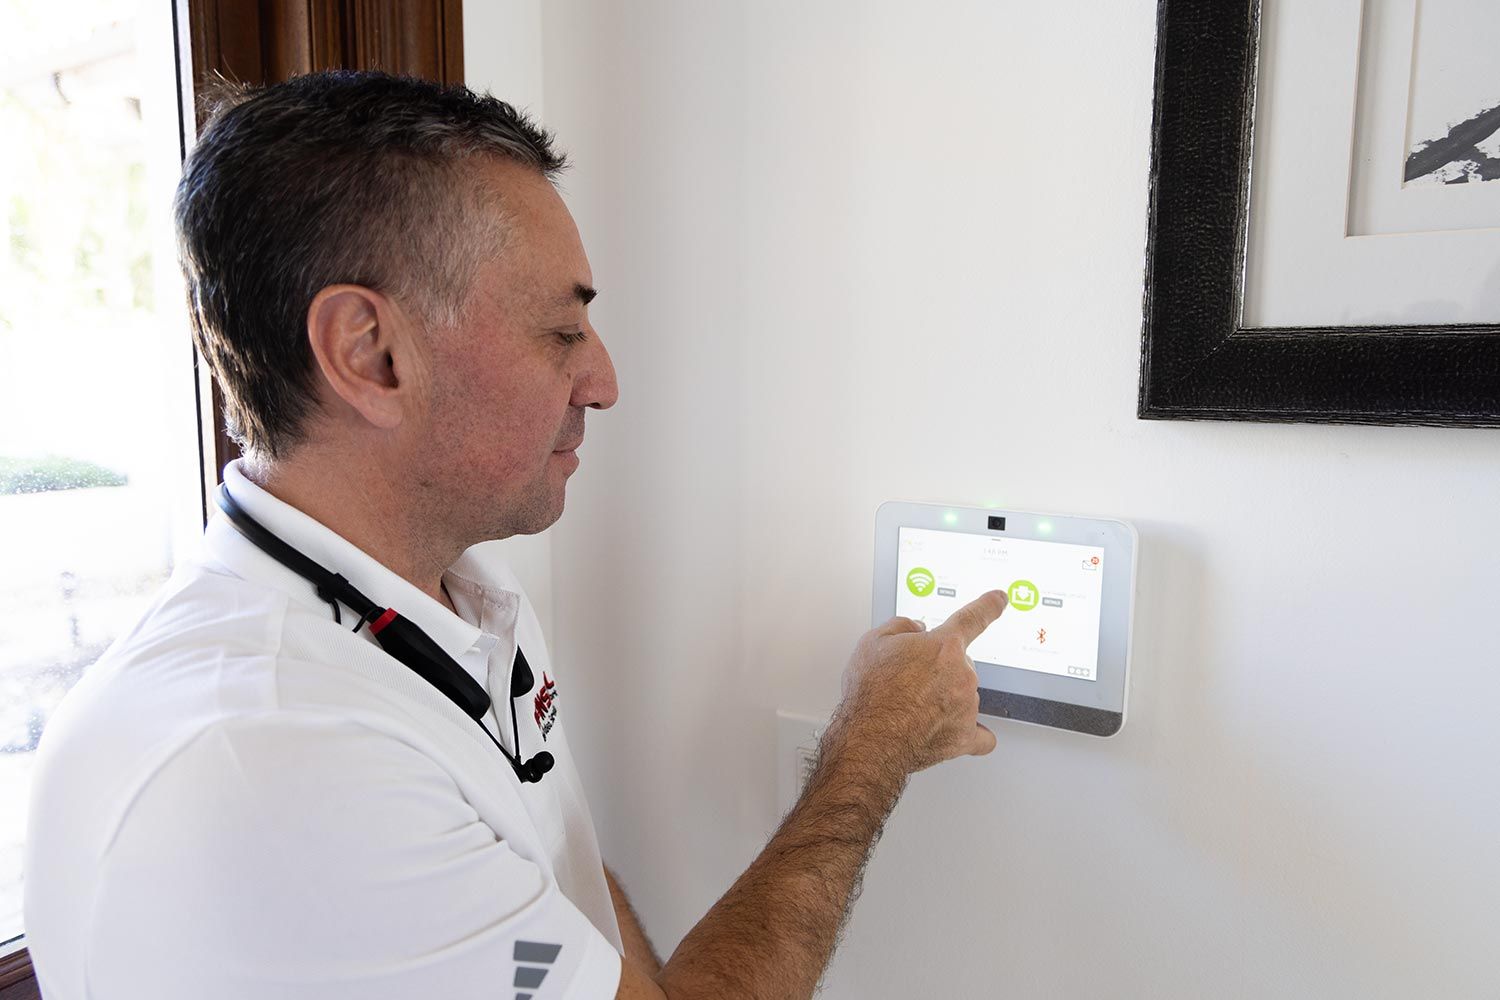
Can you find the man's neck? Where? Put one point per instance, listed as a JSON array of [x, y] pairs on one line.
[[365, 509]]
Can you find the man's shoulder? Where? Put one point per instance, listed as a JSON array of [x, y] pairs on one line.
[[204, 607], [165, 678], [203, 625], [207, 662], [215, 645]]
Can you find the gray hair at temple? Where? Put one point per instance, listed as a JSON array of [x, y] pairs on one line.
[[332, 178]]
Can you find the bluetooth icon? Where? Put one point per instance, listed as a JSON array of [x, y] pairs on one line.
[[1041, 636]]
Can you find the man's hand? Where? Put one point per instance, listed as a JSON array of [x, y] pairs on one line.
[[911, 697]]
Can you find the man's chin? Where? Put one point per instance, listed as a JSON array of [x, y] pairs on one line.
[[538, 517]]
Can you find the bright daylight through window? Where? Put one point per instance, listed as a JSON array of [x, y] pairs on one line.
[[99, 467]]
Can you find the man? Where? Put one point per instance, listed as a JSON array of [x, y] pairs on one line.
[[249, 796]]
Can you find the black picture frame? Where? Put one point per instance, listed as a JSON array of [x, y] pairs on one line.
[[1197, 361]]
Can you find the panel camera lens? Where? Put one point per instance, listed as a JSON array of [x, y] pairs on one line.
[[997, 523]]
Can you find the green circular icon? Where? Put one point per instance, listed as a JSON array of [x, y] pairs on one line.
[[920, 581], [1023, 595]]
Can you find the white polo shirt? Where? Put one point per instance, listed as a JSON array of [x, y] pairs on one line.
[[243, 799]]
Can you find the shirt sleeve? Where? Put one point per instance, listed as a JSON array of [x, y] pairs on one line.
[[306, 857]]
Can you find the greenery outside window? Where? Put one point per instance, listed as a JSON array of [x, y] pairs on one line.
[[100, 476]]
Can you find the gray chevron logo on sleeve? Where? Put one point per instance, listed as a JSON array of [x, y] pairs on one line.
[[538, 956]]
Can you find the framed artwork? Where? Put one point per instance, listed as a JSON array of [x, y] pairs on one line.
[[1324, 229]]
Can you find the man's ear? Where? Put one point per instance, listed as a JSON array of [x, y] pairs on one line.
[[364, 348]]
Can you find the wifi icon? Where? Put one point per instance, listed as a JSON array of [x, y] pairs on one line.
[[919, 581]]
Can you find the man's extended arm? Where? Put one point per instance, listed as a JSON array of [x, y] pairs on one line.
[[910, 701], [638, 947]]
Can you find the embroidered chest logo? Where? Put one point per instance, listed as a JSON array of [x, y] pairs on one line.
[[546, 705]]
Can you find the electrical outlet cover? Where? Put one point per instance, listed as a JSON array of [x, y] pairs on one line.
[[797, 736]]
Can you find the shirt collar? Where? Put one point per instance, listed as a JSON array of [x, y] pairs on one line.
[[331, 551]]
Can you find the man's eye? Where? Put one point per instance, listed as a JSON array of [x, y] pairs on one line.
[[573, 338]]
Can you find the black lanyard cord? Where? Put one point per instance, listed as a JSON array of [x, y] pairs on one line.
[[401, 638]]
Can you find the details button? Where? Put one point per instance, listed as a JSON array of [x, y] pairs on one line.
[[1052, 602]]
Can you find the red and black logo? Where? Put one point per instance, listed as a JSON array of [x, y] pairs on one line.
[[545, 706]]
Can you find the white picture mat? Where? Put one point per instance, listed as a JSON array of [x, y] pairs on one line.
[[1413, 85], [1301, 268]]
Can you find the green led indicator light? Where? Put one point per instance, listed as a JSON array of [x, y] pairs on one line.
[[950, 517], [1045, 527]]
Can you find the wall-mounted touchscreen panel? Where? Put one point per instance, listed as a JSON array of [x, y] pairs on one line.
[[1059, 655]]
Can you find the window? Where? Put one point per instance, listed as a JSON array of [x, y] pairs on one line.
[[100, 477], [101, 474]]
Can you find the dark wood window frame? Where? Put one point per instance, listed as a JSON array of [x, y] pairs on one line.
[[263, 42], [16, 979]]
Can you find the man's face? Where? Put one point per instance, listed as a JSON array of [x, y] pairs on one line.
[[511, 382]]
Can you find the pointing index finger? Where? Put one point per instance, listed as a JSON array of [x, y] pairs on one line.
[[976, 616]]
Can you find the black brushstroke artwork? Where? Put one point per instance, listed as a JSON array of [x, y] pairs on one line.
[[1460, 147]]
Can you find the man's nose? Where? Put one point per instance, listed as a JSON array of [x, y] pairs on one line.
[[597, 387]]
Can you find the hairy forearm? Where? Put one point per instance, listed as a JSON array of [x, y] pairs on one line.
[[638, 946], [772, 933]]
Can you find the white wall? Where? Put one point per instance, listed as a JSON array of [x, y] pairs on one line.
[[852, 251]]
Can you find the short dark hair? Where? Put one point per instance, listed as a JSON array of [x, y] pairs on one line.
[[330, 178]]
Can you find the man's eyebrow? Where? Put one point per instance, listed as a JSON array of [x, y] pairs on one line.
[[581, 293]]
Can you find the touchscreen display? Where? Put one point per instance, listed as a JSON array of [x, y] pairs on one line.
[[1052, 622]]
